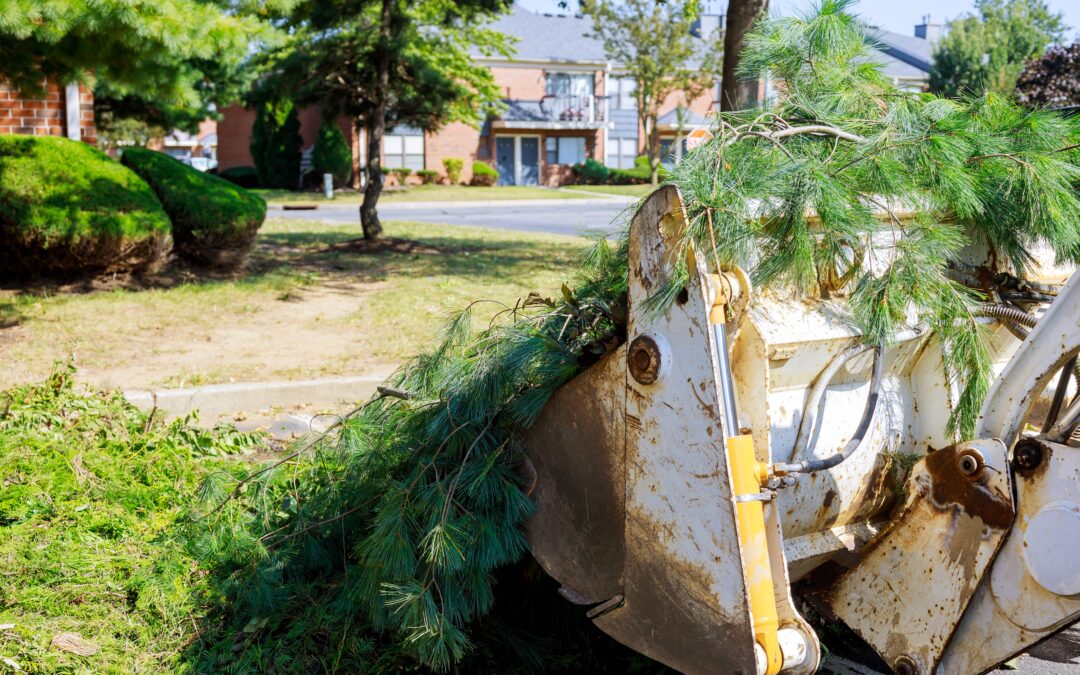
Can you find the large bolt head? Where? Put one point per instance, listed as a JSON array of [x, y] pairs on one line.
[[644, 359]]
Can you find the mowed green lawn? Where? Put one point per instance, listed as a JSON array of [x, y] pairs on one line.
[[314, 301]]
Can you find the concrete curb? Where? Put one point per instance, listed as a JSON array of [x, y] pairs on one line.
[[222, 399], [484, 203]]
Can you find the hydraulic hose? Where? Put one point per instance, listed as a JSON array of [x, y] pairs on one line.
[[1059, 395], [810, 410], [1005, 313], [860, 432]]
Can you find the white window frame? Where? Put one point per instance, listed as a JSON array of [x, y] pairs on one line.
[[584, 149], [402, 157], [622, 160]]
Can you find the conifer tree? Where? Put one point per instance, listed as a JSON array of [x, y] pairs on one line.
[[164, 63]]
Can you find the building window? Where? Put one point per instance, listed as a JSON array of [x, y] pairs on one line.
[[621, 93], [565, 149], [621, 153], [404, 147], [565, 84]]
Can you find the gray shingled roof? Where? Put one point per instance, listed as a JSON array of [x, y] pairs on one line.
[[550, 37], [567, 38], [916, 53]]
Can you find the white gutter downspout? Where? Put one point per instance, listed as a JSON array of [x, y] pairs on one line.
[[73, 111]]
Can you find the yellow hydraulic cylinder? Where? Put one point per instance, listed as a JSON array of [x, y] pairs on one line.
[[747, 476]]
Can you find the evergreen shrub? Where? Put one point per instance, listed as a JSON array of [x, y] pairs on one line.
[[244, 176], [214, 222], [484, 174], [401, 173], [68, 209], [636, 176], [453, 167], [428, 176], [275, 145], [591, 172], [332, 154]]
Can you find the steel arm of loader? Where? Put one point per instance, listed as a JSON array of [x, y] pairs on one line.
[[1032, 589], [636, 507]]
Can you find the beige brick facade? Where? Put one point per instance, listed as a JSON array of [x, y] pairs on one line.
[[46, 114]]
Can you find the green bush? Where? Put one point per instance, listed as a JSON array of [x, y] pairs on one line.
[[332, 153], [428, 176], [591, 172], [639, 174], [402, 173], [275, 145], [67, 209], [484, 174], [453, 167], [244, 176], [213, 221]]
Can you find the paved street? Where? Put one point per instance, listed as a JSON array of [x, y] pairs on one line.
[[555, 216]]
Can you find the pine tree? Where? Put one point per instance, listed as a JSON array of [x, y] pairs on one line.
[[332, 153], [164, 63]]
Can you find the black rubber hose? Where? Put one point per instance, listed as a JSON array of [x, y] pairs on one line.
[[860, 432], [1059, 395]]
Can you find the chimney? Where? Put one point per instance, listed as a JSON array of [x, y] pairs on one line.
[[928, 31]]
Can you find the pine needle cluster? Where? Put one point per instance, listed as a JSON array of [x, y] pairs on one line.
[[416, 503], [850, 186], [396, 524]]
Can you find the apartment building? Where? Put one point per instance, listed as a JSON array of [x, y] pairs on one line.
[[564, 102]]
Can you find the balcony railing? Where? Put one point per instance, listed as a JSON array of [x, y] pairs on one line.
[[556, 109]]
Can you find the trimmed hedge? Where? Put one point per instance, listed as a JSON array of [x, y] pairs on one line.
[[591, 172], [639, 174], [484, 174], [68, 209], [214, 221], [244, 176]]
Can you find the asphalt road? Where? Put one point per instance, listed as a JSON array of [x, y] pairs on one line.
[[555, 216]]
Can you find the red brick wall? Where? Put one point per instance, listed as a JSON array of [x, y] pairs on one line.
[[234, 137], [455, 140], [524, 83], [45, 115]]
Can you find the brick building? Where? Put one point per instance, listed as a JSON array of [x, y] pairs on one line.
[[59, 111], [565, 102]]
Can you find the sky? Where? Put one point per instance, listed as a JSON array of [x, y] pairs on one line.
[[895, 15]]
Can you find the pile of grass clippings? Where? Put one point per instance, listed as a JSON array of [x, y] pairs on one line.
[[91, 579]]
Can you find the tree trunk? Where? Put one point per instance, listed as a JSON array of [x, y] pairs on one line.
[[369, 216], [376, 127], [741, 15]]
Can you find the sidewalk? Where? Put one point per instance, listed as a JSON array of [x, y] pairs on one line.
[[330, 205]]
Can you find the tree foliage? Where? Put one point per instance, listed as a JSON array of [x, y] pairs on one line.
[[651, 40], [389, 63], [162, 62], [332, 153], [275, 144], [986, 51], [1053, 79], [848, 188]]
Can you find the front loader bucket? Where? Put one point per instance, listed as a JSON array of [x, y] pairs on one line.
[[636, 514]]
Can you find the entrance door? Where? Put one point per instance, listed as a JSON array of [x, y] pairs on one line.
[[530, 160], [505, 156]]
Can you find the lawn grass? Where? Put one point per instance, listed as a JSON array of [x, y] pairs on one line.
[[91, 491], [311, 303], [424, 193], [621, 190]]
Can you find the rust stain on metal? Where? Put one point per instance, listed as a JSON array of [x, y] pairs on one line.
[[644, 360], [951, 489]]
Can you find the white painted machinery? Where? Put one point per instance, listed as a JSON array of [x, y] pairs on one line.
[[745, 459]]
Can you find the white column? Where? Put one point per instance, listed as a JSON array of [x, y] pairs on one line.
[[73, 111]]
